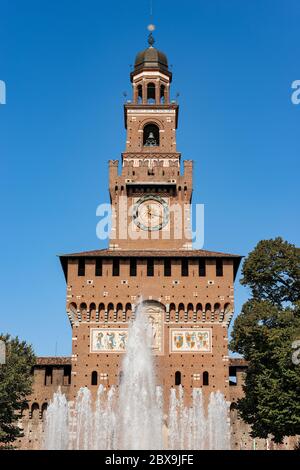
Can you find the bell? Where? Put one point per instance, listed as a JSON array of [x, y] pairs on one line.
[[151, 141]]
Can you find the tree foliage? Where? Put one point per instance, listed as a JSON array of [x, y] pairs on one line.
[[272, 271], [15, 386], [263, 333]]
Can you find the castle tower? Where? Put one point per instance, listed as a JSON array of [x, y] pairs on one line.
[[150, 197], [187, 294]]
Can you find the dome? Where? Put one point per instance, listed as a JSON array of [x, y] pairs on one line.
[[151, 58]]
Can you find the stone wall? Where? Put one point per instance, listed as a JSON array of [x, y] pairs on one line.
[[33, 418]]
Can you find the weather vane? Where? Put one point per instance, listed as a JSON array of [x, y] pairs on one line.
[[151, 40]]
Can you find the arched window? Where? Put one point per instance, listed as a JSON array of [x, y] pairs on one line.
[[119, 307], [233, 406], [181, 311], [35, 411], [101, 312], [43, 410], [190, 308], [25, 411], [73, 311], [83, 311], [205, 378], [162, 94], [119, 315], [151, 135], [172, 312], [128, 310], [151, 93], [227, 308], [93, 311], [94, 380], [110, 311], [73, 307], [139, 94], [199, 310], [177, 377], [207, 308], [217, 309]]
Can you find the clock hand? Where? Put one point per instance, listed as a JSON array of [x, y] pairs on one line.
[[157, 214]]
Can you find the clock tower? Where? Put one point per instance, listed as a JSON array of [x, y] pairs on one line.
[[151, 197], [187, 294]]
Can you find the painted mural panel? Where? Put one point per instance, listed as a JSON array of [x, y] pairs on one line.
[[108, 340], [115, 339], [190, 340]]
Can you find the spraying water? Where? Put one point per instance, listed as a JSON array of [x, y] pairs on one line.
[[57, 423], [132, 418], [140, 413]]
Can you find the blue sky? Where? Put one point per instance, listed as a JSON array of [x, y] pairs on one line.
[[66, 65]]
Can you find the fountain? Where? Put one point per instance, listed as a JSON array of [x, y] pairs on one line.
[[57, 423], [133, 417]]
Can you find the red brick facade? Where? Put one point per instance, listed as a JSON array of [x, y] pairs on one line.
[[188, 294]]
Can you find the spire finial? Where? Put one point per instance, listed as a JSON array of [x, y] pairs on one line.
[[151, 40]]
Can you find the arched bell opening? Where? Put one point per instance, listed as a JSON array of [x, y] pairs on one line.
[[151, 135], [162, 94], [151, 93], [139, 94]]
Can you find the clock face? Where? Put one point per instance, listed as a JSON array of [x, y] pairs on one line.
[[151, 213]]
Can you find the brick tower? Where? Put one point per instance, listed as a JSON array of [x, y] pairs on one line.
[[187, 294]]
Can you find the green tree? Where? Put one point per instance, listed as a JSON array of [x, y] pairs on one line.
[[15, 386], [263, 333], [272, 271]]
